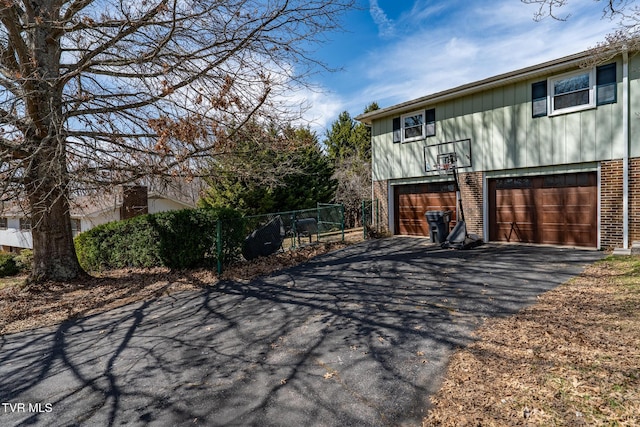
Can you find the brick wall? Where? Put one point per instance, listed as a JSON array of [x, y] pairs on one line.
[[634, 200], [380, 192], [471, 194], [611, 204]]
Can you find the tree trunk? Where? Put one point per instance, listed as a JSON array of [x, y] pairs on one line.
[[54, 255], [46, 176]]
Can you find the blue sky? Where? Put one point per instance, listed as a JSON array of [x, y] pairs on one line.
[[398, 50]]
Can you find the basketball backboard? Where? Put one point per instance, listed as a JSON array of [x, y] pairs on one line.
[[455, 153]]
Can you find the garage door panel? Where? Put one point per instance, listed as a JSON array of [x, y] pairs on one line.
[[556, 234], [551, 196], [515, 197], [578, 217], [551, 209], [413, 201], [516, 232]]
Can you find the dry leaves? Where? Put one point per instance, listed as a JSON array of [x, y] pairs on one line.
[[572, 359]]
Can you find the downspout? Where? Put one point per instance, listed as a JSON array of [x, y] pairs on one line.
[[627, 141]]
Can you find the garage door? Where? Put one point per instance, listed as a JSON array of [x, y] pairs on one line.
[[412, 201], [554, 209]]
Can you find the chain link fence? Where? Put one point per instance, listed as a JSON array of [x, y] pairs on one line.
[[259, 235]]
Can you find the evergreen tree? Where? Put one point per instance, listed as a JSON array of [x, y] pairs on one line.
[[290, 174]]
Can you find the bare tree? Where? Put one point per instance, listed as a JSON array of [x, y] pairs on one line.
[[105, 92], [610, 8], [625, 38], [353, 174]]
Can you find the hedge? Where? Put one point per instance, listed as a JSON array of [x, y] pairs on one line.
[[8, 266], [175, 239]]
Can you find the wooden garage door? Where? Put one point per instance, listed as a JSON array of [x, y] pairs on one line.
[[554, 209], [412, 201]]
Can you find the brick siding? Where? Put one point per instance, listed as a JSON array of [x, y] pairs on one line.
[[380, 192], [611, 204], [471, 194], [634, 200]]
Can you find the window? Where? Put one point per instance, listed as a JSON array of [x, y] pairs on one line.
[[575, 91], [606, 84], [414, 126], [25, 224], [572, 92], [505, 183], [3, 223], [75, 226], [539, 99]]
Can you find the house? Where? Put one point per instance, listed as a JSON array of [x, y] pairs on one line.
[[548, 154], [86, 213]]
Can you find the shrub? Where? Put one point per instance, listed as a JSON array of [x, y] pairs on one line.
[[24, 260], [8, 265], [175, 239]]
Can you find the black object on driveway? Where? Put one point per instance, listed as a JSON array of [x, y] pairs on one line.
[[438, 225]]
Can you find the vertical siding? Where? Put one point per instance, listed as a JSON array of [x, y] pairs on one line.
[[634, 104], [604, 134], [588, 136], [505, 136], [507, 141], [478, 133], [521, 124], [496, 144], [572, 137]]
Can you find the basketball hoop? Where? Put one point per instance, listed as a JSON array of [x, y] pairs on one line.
[[446, 163], [443, 168]]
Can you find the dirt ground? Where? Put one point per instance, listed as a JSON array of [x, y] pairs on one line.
[[572, 359]]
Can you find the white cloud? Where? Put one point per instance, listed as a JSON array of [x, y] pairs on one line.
[[325, 108], [385, 25], [469, 43], [485, 44]]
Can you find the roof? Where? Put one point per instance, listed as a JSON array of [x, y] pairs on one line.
[[556, 65], [86, 205], [89, 206]]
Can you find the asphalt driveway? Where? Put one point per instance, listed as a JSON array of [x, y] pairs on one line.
[[358, 337]]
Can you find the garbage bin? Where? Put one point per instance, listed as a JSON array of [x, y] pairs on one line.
[[438, 225]]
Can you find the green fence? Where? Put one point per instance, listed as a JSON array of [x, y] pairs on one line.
[[301, 227]]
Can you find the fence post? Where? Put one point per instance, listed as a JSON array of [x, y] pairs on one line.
[[294, 229], [342, 220], [219, 246], [318, 226], [364, 220]]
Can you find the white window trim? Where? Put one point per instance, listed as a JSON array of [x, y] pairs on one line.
[[551, 94], [422, 128]]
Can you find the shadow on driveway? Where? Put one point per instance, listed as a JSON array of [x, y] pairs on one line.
[[357, 337]]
